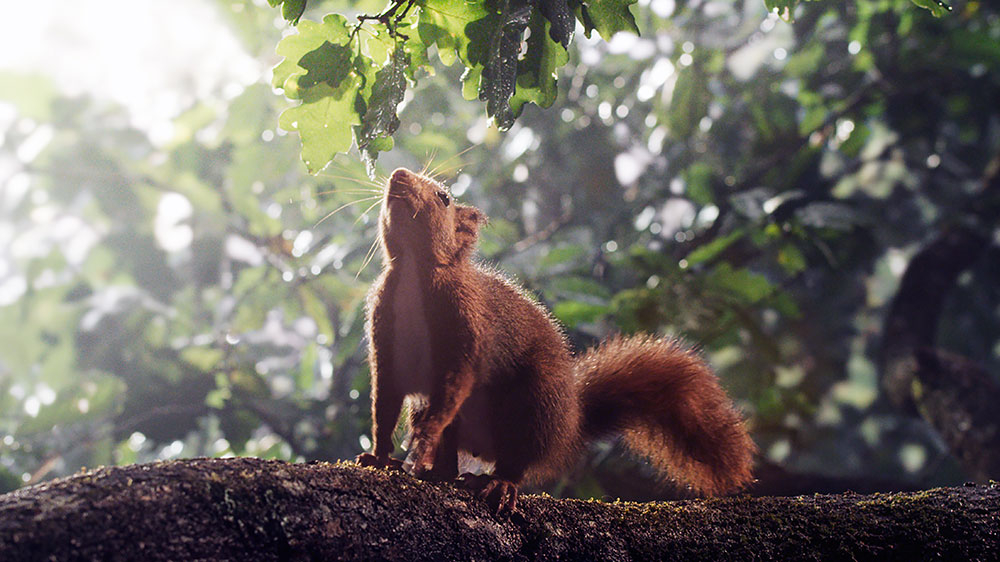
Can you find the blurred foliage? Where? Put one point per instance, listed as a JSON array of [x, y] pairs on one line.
[[752, 185], [352, 77]]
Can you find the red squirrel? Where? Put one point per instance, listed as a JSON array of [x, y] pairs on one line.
[[489, 372]]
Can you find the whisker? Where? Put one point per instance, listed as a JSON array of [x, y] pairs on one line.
[[344, 206], [344, 167], [432, 172], [350, 191], [430, 160], [359, 181], [447, 171], [368, 210], [368, 257], [347, 170]]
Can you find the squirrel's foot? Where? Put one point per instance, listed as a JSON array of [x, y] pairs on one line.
[[499, 494], [374, 461]]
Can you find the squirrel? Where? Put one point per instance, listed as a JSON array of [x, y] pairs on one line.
[[488, 371]]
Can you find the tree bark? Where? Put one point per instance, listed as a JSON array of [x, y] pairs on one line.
[[915, 312], [959, 399], [251, 509]]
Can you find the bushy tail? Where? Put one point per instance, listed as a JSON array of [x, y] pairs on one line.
[[669, 407]]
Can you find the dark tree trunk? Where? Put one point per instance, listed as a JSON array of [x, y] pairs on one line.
[[954, 394], [250, 509]]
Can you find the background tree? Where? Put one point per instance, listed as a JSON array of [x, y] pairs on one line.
[[756, 186]]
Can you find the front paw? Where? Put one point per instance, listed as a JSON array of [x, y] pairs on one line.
[[374, 461], [423, 470], [422, 459], [432, 474]]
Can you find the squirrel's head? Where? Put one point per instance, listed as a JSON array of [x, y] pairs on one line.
[[419, 216]]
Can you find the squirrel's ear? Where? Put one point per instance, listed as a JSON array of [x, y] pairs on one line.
[[478, 216], [470, 217]]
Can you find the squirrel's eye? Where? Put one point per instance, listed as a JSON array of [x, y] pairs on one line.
[[445, 198]]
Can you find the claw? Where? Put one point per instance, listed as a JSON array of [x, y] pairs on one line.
[[500, 495]]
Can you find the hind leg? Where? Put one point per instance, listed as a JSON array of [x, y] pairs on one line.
[[498, 492], [516, 448]]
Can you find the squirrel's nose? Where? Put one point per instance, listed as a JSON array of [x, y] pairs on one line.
[[401, 175]]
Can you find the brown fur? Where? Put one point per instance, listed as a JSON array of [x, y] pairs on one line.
[[496, 377]]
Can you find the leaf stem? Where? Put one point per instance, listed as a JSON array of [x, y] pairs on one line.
[[389, 18]]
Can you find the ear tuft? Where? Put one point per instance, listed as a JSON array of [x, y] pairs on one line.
[[477, 216], [469, 218]]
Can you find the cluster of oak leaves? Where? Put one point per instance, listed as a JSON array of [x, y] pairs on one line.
[[350, 77]]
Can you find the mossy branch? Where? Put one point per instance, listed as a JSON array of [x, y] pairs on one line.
[[243, 509]]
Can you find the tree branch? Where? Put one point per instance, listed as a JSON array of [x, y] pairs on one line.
[[953, 394], [243, 509], [916, 309]]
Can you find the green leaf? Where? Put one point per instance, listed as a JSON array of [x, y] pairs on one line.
[[609, 17], [713, 248], [315, 309], [470, 82], [859, 136], [806, 60], [699, 183], [305, 378], [791, 259], [500, 69], [327, 82], [813, 119], [560, 255], [309, 37], [936, 7], [292, 10], [536, 72], [458, 28], [324, 121], [329, 63], [561, 21], [8, 480], [202, 358], [747, 286], [579, 287], [572, 313], [380, 119], [690, 100]]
